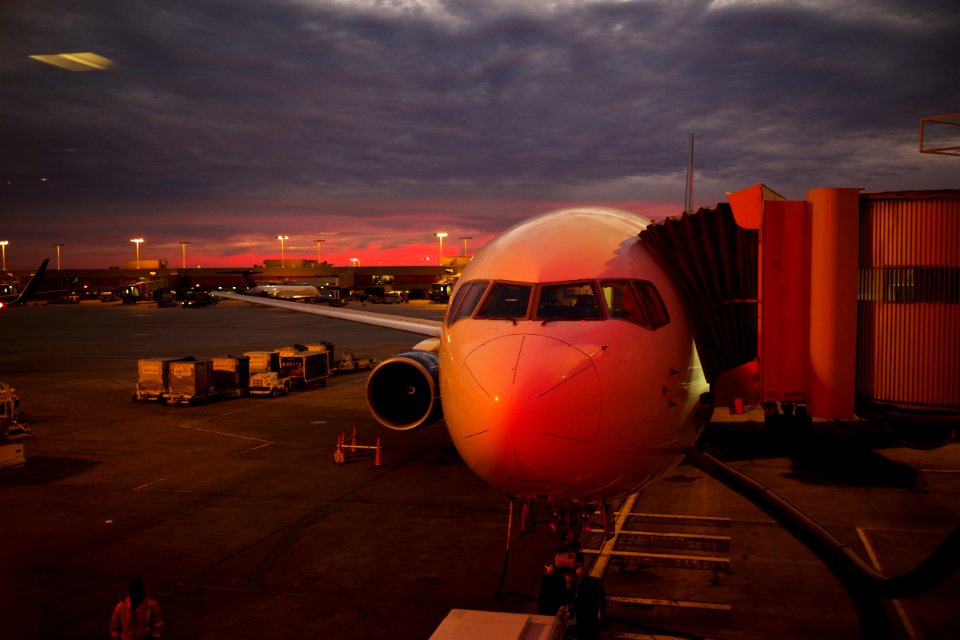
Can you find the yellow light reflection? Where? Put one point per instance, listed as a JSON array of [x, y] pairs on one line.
[[76, 61]]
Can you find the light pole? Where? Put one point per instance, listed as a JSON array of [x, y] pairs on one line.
[[318, 250], [281, 239], [3, 246], [441, 235], [136, 242], [356, 262], [465, 238], [58, 245], [183, 253]]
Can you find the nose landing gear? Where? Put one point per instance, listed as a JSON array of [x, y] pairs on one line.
[[566, 589]]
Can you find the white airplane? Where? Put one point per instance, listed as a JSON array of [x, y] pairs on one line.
[[283, 291], [565, 364]]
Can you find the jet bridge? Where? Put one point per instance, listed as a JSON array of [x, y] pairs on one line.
[[844, 302]]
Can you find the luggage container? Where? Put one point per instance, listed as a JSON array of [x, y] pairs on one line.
[[190, 382], [351, 362], [323, 345], [263, 361], [231, 375], [305, 367], [153, 377]]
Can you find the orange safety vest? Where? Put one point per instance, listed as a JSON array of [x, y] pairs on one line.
[[141, 623]]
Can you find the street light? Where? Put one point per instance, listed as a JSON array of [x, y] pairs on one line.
[[281, 239], [356, 262], [136, 242], [3, 246], [441, 235], [183, 253], [465, 238], [318, 250], [58, 245]]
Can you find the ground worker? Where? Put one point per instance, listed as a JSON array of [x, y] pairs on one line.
[[136, 617]]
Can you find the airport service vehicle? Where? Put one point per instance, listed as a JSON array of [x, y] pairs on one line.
[[269, 383], [12, 431], [466, 624], [265, 377], [9, 402], [196, 299]]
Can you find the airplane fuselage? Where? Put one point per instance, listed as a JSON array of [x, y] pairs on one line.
[[554, 386], [285, 291]]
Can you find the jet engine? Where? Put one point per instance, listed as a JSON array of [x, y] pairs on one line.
[[403, 392]]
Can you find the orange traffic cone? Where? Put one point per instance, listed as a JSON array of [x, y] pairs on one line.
[[338, 455], [377, 458], [920, 479]]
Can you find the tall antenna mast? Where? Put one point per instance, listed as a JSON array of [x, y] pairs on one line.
[[688, 194]]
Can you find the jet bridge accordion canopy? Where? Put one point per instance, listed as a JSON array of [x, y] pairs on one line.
[[713, 263]]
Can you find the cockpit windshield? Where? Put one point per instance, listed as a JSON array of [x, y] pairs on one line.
[[636, 301], [568, 301], [506, 300], [466, 300]]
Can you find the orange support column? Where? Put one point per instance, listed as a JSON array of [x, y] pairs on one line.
[[834, 240]]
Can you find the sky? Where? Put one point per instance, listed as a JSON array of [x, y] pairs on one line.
[[374, 124]]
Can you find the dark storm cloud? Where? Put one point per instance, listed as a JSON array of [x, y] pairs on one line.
[[311, 99]]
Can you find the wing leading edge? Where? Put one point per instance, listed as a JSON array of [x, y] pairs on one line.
[[400, 323]]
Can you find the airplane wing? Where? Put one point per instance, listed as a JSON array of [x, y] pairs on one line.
[[418, 326]]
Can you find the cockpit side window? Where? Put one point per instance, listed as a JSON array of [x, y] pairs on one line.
[[568, 301], [636, 301], [506, 300], [621, 301], [652, 304], [466, 300]]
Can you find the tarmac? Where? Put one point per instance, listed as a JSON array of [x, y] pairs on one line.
[[239, 522]]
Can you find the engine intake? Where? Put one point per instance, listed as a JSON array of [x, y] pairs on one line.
[[403, 392]]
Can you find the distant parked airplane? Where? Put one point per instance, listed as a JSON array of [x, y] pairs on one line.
[[23, 297]]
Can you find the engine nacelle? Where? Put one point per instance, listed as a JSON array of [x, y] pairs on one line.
[[403, 392]]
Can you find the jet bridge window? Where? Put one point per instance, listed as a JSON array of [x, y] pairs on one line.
[[636, 301], [568, 301], [466, 300], [506, 300]]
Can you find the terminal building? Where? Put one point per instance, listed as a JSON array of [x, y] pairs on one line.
[[433, 281]]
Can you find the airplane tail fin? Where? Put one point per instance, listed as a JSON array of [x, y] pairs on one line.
[[31, 288]]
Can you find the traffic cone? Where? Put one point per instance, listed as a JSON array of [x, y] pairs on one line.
[[338, 456], [353, 440], [377, 458], [920, 479]]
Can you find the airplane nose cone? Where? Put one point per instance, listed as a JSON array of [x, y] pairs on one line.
[[536, 409]]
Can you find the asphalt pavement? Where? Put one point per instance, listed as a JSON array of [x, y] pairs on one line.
[[236, 518]]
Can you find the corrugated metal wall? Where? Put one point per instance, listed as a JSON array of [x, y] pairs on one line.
[[908, 343]]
